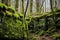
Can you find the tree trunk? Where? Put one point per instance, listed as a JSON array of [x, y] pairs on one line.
[[19, 6], [51, 7], [6, 2], [12, 4], [54, 16], [37, 5], [26, 8], [22, 6], [31, 3], [0, 0], [16, 4]]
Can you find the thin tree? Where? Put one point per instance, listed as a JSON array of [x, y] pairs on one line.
[[16, 4], [6, 2], [22, 6], [24, 21], [37, 5], [26, 8], [54, 17], [41, 5], [51, 7], [31, 4]]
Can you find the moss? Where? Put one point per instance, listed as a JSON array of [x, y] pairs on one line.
[[3, 7], [58, 10], [56, 36], [42, 32], [51, 30], [16, 15], [8, 13], [11, 23], [12, 10], [37, 22]]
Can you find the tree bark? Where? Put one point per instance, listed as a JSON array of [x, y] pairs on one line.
[[31, 3], [26, 8], [16, 4], [37, 5], [22, 6], [51, 7], [6, 2]]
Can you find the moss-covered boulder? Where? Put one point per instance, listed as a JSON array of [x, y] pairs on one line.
[[11, 22]]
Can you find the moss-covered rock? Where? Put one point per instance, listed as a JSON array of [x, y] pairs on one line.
[[47, 22], [11, 23]]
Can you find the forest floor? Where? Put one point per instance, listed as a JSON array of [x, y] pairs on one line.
[[44, 37]]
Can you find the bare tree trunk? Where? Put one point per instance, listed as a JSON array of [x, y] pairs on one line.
[[31, 3], [51, 6], [12, 4], [41, 5], [19, 6], [0, 0], [6, 2], [22, 6], [26, 8], [37, 5], [16, 4], [54, 16], [45, 6]]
